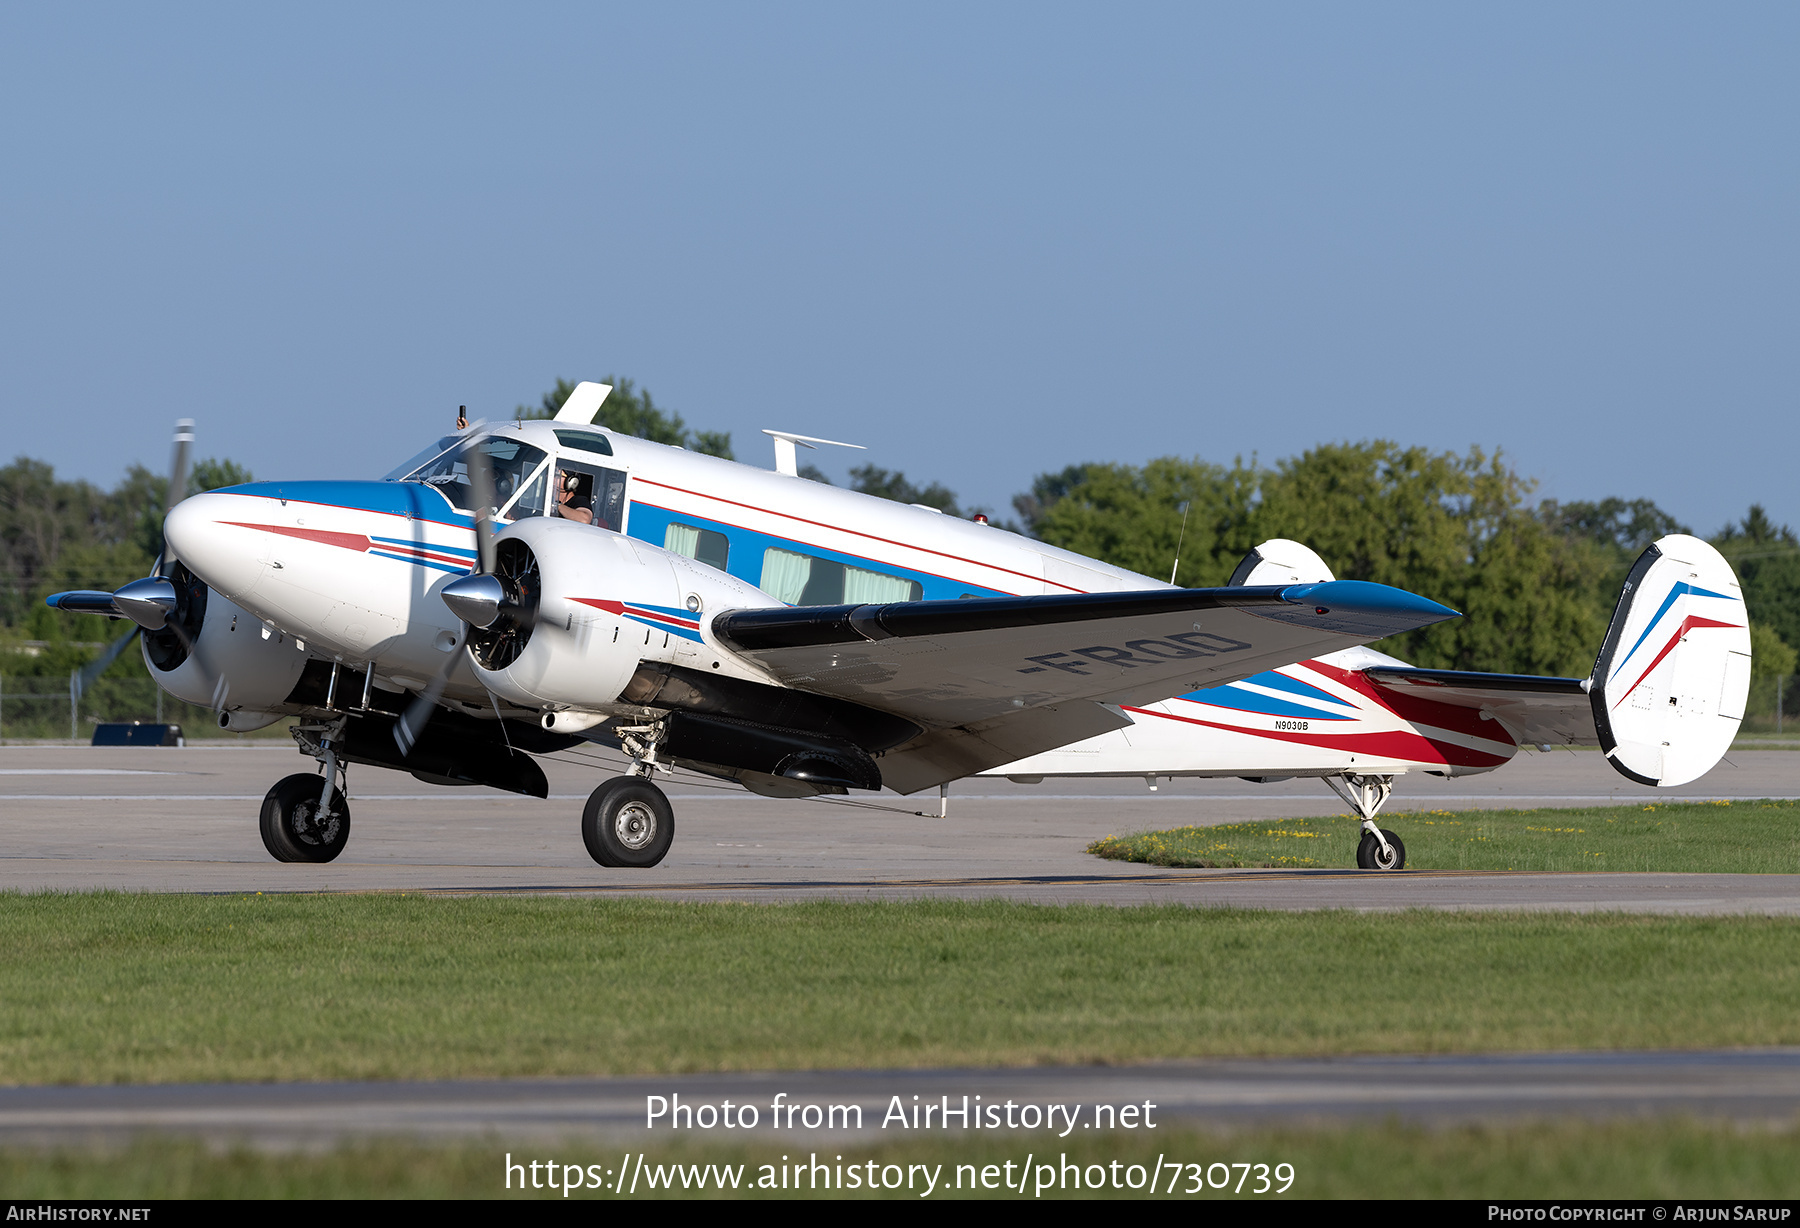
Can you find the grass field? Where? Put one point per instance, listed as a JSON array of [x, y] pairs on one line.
[[147, 988], [1708, 837], [1567, 1160]]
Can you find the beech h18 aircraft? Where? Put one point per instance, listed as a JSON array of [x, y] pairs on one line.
[[516, 589]]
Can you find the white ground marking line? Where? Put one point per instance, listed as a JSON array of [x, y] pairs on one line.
[[88, 772], [1437, 802]]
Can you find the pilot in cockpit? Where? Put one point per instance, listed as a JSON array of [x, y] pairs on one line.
[[572, 502]]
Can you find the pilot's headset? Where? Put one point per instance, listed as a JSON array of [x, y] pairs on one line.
[[571, 483]]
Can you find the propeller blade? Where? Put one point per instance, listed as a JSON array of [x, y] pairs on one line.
[[412, 722], [84, 601], [93, 669], [482, 598], [178, 476], [481, 482]]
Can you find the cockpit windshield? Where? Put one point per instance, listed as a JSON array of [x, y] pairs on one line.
[[406, 467], [511, 461]]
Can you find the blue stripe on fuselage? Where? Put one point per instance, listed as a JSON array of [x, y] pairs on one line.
[[414, 499], [1237, 697]]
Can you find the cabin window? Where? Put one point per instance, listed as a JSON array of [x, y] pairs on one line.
[[701, 545], [587, 441], [802, 579]]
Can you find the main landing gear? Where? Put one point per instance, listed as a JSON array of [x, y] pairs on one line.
[[628, 822], [1379, 849], [305, 818]]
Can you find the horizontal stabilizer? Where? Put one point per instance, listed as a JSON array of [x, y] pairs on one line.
[[1280, 561], [1537, 710]]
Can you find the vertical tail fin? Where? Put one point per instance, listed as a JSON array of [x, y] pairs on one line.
[[1669, 686]]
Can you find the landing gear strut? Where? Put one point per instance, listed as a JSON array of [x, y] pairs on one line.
[[1379, 849], [305, 818]]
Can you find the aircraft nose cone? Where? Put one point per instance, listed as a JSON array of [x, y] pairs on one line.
[[148, 602], [474, 599], [199, 536]]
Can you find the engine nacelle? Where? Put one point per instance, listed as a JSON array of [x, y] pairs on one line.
[[586, 607], [218, 655]]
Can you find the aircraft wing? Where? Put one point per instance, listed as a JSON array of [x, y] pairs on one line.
[[992, 680], [1541, 711]]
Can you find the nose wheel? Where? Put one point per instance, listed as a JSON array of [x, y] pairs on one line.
[[295, 827], [628, 823]]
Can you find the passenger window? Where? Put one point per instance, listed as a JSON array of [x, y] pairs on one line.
[[801, 579], [701, 545]]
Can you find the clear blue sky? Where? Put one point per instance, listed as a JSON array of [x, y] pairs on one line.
[[985, 240]]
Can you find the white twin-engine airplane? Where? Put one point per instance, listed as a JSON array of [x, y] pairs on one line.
[[515, 589]]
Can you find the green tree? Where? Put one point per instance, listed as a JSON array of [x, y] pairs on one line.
[[1133, 517], [1766, 557], [1457, 529], [886, 484], [59, 534], [630, 410], [1625, 526], [1770, 656]]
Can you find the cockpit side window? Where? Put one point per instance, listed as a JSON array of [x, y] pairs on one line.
[[589, 494]]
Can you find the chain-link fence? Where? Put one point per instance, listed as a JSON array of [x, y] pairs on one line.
[[1773, 706], [34, 706]]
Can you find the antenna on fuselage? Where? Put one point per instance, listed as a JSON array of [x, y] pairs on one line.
[[1184, 515], [787, 459]]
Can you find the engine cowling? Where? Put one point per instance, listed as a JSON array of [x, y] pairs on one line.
[[216, 654], [585, 607]]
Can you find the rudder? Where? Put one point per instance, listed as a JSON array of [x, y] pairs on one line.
[[1669, 686]]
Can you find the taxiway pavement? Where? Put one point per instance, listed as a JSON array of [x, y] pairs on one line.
[[184, 820], [1747, 1086]]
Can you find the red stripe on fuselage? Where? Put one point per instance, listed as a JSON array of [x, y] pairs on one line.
[[611, 607], [348, 541], [1413, 709], [643, 612], [1393, 744]]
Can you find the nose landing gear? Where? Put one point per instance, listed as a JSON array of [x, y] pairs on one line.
[[1379, 849], [296, 827], [305, 818]]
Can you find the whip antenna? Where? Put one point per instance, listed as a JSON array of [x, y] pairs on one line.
[[1180, 539]]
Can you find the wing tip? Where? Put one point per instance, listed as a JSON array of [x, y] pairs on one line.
[[1366, 597]]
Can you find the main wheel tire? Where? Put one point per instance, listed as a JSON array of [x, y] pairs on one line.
[[292, 829], [1370, 857], [628, 823]]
